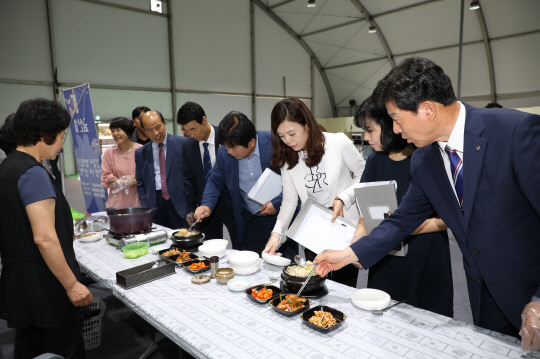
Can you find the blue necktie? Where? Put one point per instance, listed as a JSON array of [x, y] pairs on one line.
[[207, 164], [456, 167]]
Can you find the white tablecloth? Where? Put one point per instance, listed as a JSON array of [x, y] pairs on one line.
[[209, 321]]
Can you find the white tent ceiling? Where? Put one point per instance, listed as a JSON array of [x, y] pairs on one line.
[[505, 33]]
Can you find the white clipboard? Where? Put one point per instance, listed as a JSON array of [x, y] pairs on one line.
[[312, 228], [267, 187]]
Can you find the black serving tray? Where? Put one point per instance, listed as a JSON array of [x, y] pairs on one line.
[[321, 292], [135, 276], [339, 316], [274, 303], [275, 292]]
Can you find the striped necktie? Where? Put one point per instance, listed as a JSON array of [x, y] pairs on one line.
[[207, 164], [456, 167]]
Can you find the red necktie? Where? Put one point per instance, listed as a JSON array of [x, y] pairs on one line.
[[162, 173]]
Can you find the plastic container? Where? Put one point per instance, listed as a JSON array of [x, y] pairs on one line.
[[92, 326], [135, 250]]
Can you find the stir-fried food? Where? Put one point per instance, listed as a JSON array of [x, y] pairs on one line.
[[291, 303], [171, 252], [262, 294], [323, 319], [198, 265], [183, 256]]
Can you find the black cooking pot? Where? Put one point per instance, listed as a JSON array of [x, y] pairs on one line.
[[130, 220], [188, 242], [293, 284]]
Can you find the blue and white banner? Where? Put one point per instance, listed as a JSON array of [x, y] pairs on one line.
[[86, 145]]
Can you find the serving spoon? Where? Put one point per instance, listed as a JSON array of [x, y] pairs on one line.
[[381, 311]]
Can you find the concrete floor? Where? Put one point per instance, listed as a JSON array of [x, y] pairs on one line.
[[126, 335]]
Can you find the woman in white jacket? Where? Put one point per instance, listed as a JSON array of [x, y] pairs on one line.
[[314, 164]]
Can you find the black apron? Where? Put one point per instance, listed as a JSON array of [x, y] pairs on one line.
[[31, 293]]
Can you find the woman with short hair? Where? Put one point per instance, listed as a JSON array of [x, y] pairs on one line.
[[118, 166], [40, 275]]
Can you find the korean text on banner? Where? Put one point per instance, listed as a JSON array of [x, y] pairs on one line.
[[86, 145]]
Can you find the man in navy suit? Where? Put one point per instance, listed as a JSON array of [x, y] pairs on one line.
[[160, 174], [488, 197], [244, 156], [200, 152]]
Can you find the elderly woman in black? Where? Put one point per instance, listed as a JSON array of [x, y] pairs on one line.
[[40, 275]]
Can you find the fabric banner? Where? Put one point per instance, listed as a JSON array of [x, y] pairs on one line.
[[86, 145]]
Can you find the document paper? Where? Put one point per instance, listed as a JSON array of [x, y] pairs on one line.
[[266, 188], [317, 232]]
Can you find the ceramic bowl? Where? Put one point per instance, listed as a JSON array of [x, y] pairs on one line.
[[216, 243], [210, 250], [338, 316], [275, 292], [369, 298], [223, 275], [238, 284], [242, 259], [276, 260], [246, 270]]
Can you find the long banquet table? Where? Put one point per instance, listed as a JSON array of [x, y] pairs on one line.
[[209, 321]]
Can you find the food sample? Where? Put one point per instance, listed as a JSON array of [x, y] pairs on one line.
[[262, 294], [300, 271], [323, 319], [291, 303], [183, 256], [171, 252], [198, 265], [185, 233]]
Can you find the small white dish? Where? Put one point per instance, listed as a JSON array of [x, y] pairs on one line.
[[211, 250], [243, 259], [89, 236], [238, 284], [245, 270], [276, 260], [369, 298]]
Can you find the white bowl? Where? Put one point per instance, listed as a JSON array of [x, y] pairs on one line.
[[246, 270], [205, 254], [216, 243], [238, 284], [243, 259], [276, 260], [210, 250], [368, 298]]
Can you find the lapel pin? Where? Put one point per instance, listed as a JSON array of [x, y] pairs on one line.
[[478, 148]]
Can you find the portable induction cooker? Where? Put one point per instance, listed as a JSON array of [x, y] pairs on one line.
[[154, 236]]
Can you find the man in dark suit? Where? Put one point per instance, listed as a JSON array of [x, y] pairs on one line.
[[160, 174], [200, 152], [488, 195], [244, 156]]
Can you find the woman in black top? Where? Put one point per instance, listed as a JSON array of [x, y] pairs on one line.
[[40, 286], [423, 277]]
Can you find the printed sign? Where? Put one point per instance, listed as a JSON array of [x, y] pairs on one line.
[[86, 145]]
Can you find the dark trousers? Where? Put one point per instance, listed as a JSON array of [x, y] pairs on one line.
[[257, 231], [492, 317], [166, 215], [66, 341], [212, 227]]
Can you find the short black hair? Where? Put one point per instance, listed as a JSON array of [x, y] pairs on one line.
[[38, 119], [415, 80], [236, 129], [190, 111], [375, 111], [137, 111], [7, 135], [124, 124], [493, 105]]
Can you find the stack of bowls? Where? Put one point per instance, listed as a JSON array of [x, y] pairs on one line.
[[213, 247], [244, 262]]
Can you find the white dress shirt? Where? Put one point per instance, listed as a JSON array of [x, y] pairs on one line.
[[155, 155], [211, 147]]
